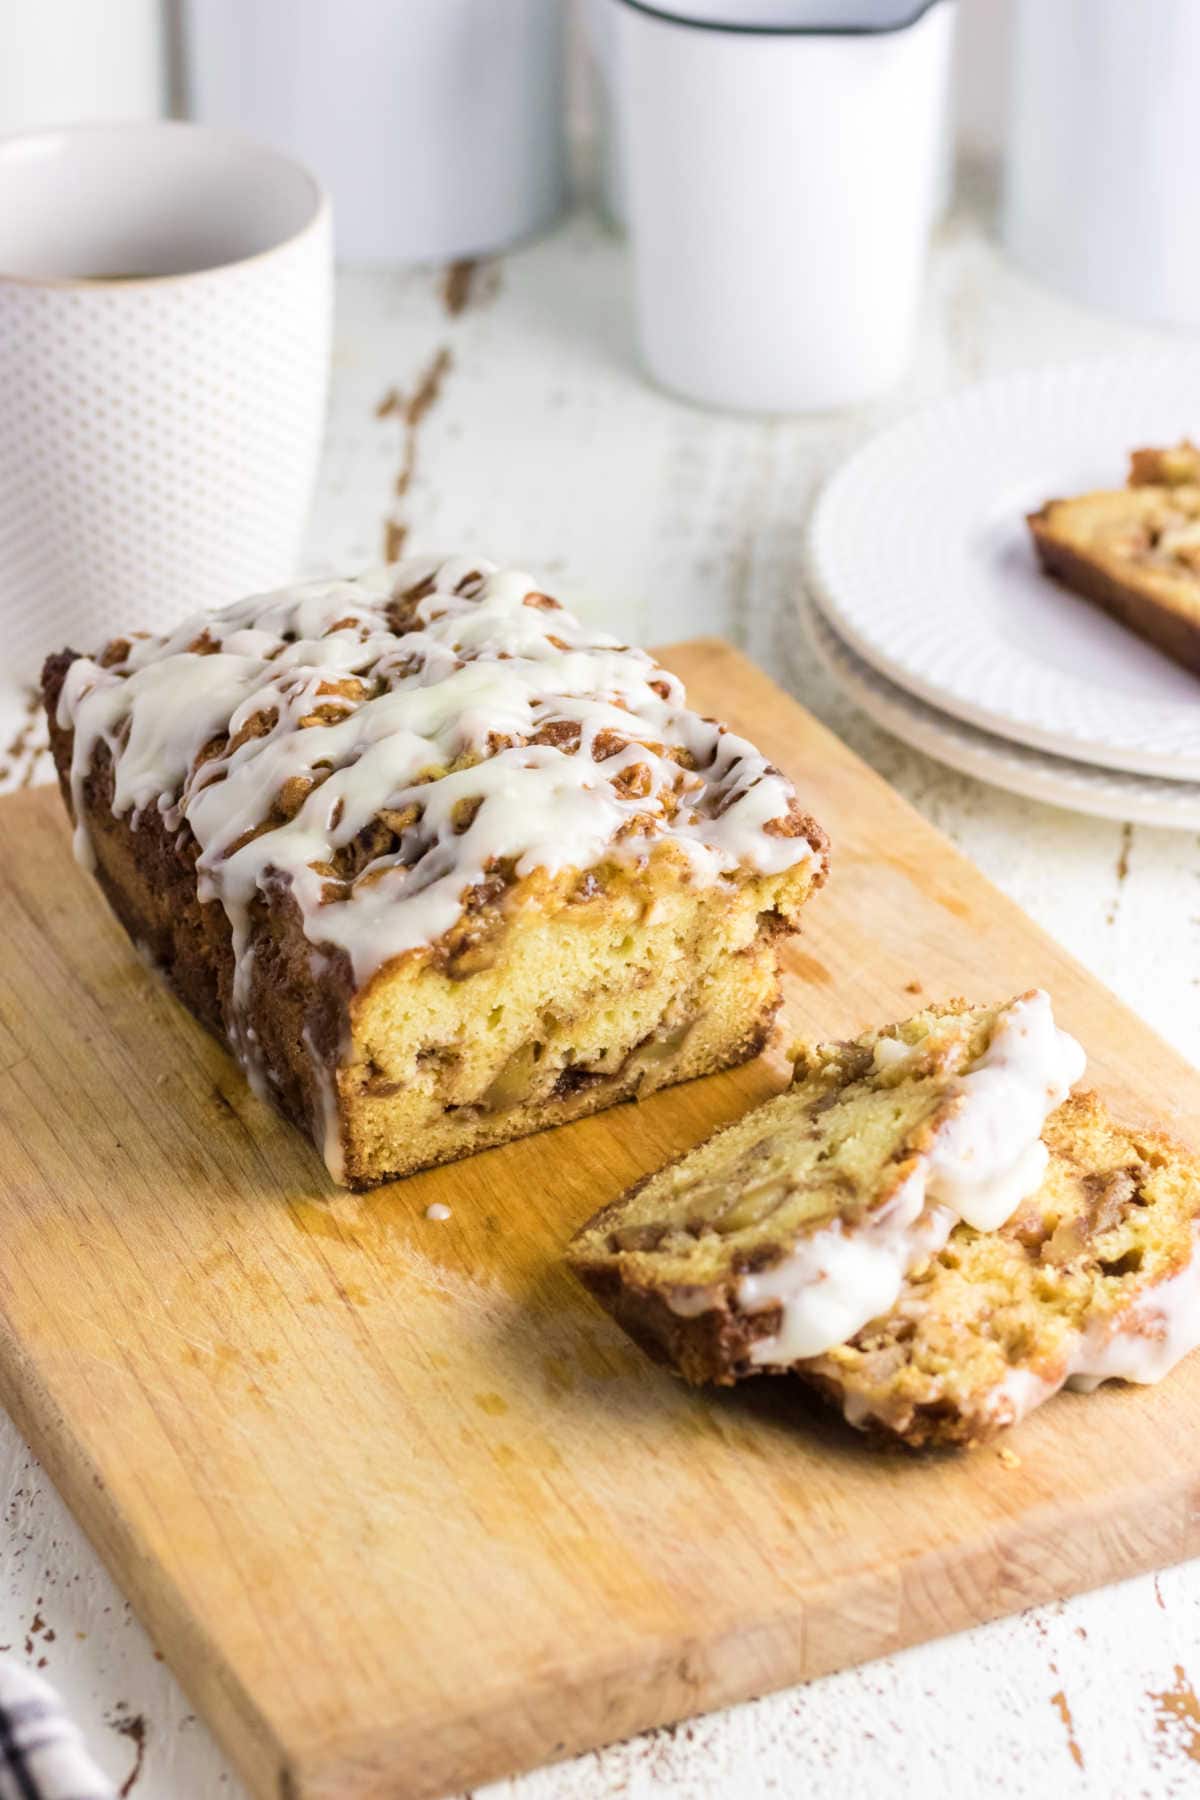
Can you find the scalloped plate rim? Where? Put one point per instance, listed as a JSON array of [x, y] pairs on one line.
[[831, 584], [1019, 769]]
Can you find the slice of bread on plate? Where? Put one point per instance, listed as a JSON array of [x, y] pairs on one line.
[[1135, 551]]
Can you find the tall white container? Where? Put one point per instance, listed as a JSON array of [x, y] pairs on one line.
[[1104, 153], [783, 161], [601, 21], [436, 125], [62, 60]]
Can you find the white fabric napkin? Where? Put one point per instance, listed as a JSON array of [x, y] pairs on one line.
[[42, 1754]]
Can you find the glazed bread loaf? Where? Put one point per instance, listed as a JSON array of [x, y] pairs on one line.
[[783, 1235], [1135, 551], [442, 865]]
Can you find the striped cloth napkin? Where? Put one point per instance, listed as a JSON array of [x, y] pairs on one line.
[[42, 1756]]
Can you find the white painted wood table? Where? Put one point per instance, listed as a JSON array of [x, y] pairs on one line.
[[532, 438]]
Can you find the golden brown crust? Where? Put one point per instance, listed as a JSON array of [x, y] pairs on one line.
[[147, 874], [710, 1349]]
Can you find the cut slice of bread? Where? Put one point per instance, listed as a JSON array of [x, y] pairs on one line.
[[783, 1235], [1135, 551], [1094, 1278]]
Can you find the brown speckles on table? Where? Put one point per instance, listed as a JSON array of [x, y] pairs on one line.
[[132, 1726], [456, 285], [427, 389], [1059, 1702], [1122, 871], [1126, 846], [411, 408], [469, 282], [1177, 1716]]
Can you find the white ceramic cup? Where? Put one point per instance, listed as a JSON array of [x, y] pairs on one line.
[[436, 125], [161, 430], [783, 161], [1104, 153]]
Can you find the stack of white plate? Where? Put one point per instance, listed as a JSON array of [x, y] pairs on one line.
[[927, 605]]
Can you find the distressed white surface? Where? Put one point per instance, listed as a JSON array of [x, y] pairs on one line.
[[545, 446]]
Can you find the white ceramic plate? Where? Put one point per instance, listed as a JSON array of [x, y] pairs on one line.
[[1034, 773], [920, 556]]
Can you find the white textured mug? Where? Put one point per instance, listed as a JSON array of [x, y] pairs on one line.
[[165, 305], [783, 160]]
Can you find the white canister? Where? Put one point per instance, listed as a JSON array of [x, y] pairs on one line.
[[1104, 153], [602, 47], [81, 59], [165, 304], [783, 160], [436, 125]]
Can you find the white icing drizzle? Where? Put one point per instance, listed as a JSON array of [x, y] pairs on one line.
[[837, 1280], [438, 1211], [990, 1155], [984, 1161], [331, 1145], [1019, 1392], [280, 728]]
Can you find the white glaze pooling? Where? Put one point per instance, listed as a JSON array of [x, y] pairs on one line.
[[1160, 1329], [280, 728], [984, 1161], [836, 1280], [990, 1155]]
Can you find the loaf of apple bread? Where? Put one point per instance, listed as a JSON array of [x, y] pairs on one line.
[[442, 865]]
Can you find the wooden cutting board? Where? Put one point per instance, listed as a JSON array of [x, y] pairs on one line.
[[400, 1505]]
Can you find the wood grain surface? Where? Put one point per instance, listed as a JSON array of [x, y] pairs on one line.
[[403, 1509]]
